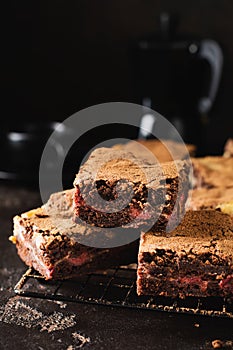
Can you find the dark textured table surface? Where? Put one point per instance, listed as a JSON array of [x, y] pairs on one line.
[[30, 323]]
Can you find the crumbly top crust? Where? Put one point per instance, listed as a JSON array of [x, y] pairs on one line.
[[190, 247], [115, 164], [204, 224], [55, 218]]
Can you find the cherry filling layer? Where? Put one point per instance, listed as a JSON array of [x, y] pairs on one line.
[[138, 212], [80, 260], [227, 284], [195, 281]]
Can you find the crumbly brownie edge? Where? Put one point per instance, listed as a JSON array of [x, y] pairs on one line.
[[178, 273], [106, 219], [58, 257], [142, 211], [45, 251]]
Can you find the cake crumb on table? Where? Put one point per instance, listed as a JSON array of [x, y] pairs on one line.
[[217, 344]]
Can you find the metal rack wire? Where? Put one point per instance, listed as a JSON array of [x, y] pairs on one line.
[[116, 287]]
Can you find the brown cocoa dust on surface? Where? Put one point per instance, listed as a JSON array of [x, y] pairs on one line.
[[18, 312]]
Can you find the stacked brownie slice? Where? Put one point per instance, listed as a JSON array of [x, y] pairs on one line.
[[195, 259], [157, 192], [48, 240]]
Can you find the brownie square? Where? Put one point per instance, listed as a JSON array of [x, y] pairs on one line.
[[48, 240], [212, 171], [154, 190], [220, 198], [196, 259]]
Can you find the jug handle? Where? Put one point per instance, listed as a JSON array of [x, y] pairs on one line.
[[212, 53]]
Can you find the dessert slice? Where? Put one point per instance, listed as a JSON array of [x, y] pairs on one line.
[[196, 259], [48, 240], [212, 198], [213, 171], [115, 188]]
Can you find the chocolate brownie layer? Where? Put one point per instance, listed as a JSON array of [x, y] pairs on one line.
[[196, 259], [48, 240], [111, 176]]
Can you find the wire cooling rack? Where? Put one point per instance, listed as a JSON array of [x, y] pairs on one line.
[[116, 287]]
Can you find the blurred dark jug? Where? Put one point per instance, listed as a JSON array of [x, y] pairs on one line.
[[179, 78]]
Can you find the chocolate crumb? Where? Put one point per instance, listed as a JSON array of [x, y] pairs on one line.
[[217, 344]]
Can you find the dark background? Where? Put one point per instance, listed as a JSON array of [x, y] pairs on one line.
[[59, 57]]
